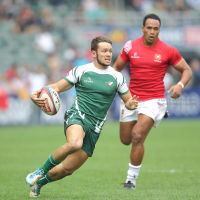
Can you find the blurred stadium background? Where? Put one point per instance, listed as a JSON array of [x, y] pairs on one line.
[[41, 40]]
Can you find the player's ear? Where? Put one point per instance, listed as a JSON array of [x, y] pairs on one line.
[[143, 29], [94, 54]]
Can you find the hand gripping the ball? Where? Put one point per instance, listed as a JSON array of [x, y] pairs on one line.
[[47, 99], [36, 100]]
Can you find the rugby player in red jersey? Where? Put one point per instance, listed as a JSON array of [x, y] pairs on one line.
[[149, 59]]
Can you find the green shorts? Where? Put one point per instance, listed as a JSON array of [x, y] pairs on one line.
[[91, 137]]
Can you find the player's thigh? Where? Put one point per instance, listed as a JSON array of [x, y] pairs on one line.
[[75, 160], [126, 131], [142, 127], [75, 132]]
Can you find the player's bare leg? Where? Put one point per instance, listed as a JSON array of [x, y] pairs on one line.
[[74, 136], [139, 133], [70, 164], [125, 132]]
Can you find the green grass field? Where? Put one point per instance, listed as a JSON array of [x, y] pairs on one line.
[[170, 168]]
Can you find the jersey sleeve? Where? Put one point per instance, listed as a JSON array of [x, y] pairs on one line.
[[72, 76], [174, 56], [122, 86], [125, 50]]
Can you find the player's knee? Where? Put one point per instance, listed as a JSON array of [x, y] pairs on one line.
[[137, 137], [75, 145], [67, 171]]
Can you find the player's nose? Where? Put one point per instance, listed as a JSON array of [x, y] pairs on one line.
[[152, 32], [108, 54]]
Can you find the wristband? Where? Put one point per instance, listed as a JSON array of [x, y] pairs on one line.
[[181, 84]]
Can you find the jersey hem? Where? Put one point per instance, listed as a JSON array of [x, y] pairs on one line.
[[150, 98]]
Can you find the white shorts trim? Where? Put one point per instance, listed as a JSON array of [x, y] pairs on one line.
[[154, 108]]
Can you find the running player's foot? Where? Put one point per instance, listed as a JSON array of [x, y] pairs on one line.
[[32, 178], [166, 114], [129, 186], [35, 190]]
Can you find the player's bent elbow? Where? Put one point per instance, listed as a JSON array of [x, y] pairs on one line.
[[189, 72]]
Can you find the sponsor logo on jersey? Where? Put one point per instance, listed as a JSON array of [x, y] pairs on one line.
[[135, 55], [157, 58], [88, 80], [109, 83]]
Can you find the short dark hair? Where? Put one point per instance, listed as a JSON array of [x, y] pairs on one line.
[[97, 40], [151, 16]]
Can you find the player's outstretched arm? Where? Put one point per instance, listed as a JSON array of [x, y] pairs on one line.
[[131, 102], [119, 64], [184, 68], [59, 87]]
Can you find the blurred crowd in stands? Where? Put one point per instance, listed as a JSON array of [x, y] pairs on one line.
[[163, 5], [32, 15], [37, 17]]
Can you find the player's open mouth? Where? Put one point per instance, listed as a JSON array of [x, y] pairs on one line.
[[151, 38]]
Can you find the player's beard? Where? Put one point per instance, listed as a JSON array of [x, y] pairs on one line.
[[104, 65]]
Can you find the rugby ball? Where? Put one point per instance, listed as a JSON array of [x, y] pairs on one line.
[[52, 100]]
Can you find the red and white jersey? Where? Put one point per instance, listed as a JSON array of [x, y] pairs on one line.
[[148, 66]]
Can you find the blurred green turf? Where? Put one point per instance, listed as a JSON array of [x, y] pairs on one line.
[[170, 168]]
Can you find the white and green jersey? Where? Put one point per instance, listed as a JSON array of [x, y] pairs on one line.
[[95, 91]]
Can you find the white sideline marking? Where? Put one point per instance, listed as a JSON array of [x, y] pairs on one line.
[[168, 171]]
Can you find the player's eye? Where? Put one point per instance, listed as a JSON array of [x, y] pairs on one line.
[[106, 51]]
